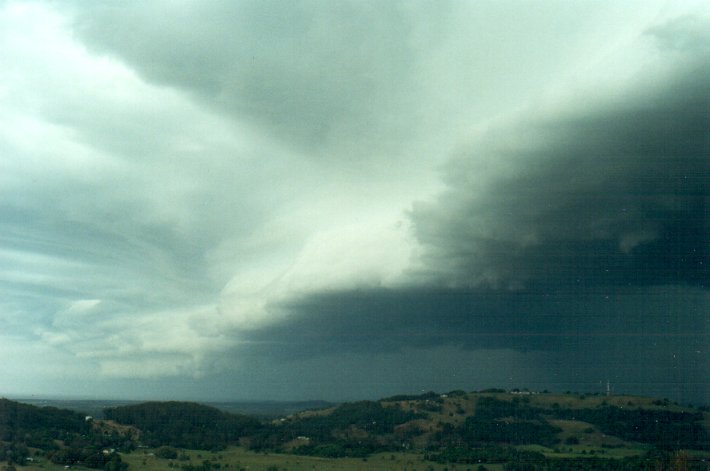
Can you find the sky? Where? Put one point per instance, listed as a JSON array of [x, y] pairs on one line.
[[311, 199]]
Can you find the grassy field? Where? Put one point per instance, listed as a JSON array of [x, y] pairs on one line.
[[234, 459], [238, 459]]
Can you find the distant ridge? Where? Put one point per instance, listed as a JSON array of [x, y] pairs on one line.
[[264, 409]]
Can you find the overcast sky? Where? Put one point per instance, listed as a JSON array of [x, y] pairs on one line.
[[351, 199]]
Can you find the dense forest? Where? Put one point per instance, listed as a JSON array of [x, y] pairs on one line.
[[184, 424], [522, 431], [64, 436]]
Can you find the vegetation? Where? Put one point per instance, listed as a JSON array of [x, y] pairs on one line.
[[665, 429], [64, 437], [508, 422], [36, 426], [486, 454], [490, 430], [431, 396], [354, 429], [184, 424]]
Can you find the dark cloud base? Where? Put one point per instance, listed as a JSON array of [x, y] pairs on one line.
[[523, 320], [650, 340]]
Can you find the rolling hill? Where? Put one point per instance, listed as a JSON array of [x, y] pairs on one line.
[[538, 430]]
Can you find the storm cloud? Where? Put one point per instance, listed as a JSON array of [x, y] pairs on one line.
[[350, 199], [600, 194], [579, 228]]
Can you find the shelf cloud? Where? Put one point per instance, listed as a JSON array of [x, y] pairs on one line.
[[221, 200]]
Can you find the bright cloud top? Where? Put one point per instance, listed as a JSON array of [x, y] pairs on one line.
[[168, 214]]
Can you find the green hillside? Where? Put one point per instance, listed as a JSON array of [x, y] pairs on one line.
[[184, 424], [546, 431], [61, 436], [499, 429]]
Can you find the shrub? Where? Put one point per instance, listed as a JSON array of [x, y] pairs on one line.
[[166, 452]]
